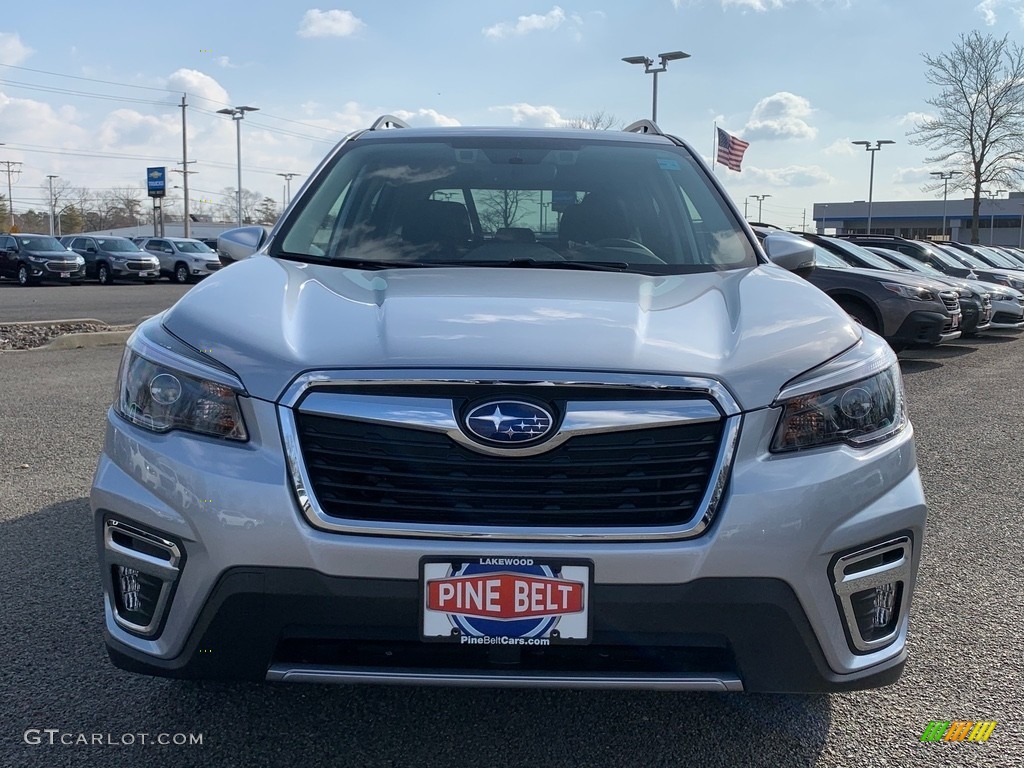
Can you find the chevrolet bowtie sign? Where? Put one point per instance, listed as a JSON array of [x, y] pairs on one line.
[[156, 181]]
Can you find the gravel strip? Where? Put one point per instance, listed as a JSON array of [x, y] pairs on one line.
[[20, 336]]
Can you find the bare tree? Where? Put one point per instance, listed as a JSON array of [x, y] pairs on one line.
[[598, 120], [267, 211], [979, 125], [228, 208], [502, 207]]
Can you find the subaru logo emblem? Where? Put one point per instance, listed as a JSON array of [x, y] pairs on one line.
[[509, 421]]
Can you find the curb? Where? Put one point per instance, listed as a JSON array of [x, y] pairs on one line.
[[82, 340], [30, 323]]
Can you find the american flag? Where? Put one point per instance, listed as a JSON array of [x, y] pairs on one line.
[[730, 150]]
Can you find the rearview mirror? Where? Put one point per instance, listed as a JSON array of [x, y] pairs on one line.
[[789, 251]]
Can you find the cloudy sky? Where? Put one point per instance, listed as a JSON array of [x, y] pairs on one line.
[[92, 96]]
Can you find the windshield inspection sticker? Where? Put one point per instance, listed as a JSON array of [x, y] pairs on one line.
[[668, 164], [505, 601]]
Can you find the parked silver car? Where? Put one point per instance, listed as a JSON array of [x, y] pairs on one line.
[[183, 259], [517, 408]]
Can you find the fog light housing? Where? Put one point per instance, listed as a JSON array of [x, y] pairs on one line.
[[144, 569], [870, 587]]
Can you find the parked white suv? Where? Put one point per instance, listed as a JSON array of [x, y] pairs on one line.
[[512, 407], [183, 259]]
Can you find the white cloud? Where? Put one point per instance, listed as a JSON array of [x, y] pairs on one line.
[[12, 50], [197, 83], [125, 130], [915, 176], [987, 9], [525, 24], [789, 176], [913, 119], [528, 114], [755, 5], [225, 62], [839, 147], [336, 23], [780, 116], [426, 117]]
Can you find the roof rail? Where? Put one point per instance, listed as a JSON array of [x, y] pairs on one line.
[[644, 126], [386, 121]]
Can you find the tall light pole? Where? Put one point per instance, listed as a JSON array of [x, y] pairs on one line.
[[992, 216], [649, 68], [945, 176], [871, 178], [288, 179], [238, 114], [51, 177], [760, 200]]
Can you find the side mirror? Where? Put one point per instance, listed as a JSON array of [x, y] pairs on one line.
[[241, 243], [789, 251]]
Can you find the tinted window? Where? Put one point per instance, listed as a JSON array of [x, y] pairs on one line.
[[40, 243]]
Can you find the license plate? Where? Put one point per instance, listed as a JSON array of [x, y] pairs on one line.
[[147, 274], [518, 601], [956, 321], [65, 274]]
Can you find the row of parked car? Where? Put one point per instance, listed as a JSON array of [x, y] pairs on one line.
[[916, 293], [32, 259]]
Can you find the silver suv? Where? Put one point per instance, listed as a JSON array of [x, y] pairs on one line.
[[183, 259], [511, 407]]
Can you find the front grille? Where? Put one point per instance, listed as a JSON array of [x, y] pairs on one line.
[[213, 265], [62, 266], [950, 300], [139, 266], [644, 477], [1006, 317]]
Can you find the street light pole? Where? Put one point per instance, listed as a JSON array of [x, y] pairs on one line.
[[238, 114], [760, 199], [871, 177], [649, 68], [51, 177], [992, 214], [945, 176], [288, 179]]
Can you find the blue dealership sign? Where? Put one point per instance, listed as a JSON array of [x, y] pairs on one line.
[[156, 181]]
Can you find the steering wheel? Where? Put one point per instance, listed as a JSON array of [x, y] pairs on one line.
[[633, 245]]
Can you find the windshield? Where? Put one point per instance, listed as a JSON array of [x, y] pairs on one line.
[[41, 244], [909, 262], [948, 256], [116, 245], [824, 258], [999, 259], [522, 201], [187, 246], [971, 260], [873, 260]]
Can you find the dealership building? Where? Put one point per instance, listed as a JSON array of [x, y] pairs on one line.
[[1000, 220]]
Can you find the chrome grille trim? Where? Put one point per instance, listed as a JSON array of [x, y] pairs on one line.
[[435, 417]]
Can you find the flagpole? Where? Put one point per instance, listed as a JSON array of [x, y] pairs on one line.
[[714, 147]]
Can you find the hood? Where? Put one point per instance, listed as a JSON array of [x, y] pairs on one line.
[[912, 279], [753, 329]]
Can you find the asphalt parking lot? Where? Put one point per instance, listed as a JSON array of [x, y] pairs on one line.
[[966, 658]]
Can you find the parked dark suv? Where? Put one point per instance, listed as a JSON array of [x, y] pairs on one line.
[[33, 259], [906, 310], [110, 258], [937, 255]]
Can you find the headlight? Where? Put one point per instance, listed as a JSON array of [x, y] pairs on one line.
[[36, 259], [860, 413], [160, 398], [963, 293], [910, 291], [80, 261]]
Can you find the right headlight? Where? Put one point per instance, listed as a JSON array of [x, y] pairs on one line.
[[161, 391], [859, 413]]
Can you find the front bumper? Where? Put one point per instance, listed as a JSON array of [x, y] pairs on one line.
[[749, 604], [928, 328]]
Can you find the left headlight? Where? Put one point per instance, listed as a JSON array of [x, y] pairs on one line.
[[161, 398], [910, 291], [860, 413]]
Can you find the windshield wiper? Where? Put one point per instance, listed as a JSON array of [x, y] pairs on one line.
[[369, 264], [594, 266]]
